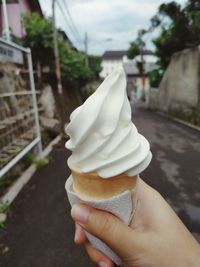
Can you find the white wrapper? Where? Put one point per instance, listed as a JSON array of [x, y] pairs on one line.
[[121, 206]]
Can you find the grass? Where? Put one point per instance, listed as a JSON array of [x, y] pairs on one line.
[[15, 172], [42, 162], [6, 181], [4, 209]]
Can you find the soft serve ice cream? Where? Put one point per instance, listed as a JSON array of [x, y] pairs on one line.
[[103, 139], [108, 153]]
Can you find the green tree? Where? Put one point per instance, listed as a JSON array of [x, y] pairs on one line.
[[192, 11], [179, 28], [95, 65], [74, 70], [137, 45], [174, 35], [39, 37], [155, 77], [136, 48]]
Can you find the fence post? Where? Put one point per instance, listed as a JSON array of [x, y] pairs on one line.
[[32, 84], [5, 15]]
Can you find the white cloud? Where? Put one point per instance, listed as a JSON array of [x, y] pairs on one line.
[[102, 19]]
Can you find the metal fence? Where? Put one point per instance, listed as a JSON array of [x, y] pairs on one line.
[[19, 121]]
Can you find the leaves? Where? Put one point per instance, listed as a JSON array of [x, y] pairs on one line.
[[133, 50], [39, 37], [179, 28], [155, 77]]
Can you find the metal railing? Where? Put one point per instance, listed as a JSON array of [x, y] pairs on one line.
[[13, 124]]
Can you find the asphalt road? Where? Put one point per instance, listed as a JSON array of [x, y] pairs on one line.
[[39, 231], [175, 167]]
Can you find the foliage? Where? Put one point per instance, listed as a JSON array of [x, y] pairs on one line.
[[179, 28], [95, 65], [137, 45], [90, 88], [39, 37], [7, 179], [173, 36], [4, 207], [134, 50], [155, 77], [5, 182], [41, 162], [73, 66]]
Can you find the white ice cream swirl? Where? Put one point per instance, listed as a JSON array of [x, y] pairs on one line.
[[102, 136]]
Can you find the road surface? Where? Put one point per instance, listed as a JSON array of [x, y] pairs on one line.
[[39, 231], [175, 167]]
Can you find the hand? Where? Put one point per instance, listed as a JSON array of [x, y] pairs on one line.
[[156, 236]]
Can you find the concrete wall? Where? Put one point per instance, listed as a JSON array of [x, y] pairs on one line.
[[153, 99], [180, 88]]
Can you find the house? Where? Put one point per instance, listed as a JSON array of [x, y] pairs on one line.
[[110, 61], [15, 9]]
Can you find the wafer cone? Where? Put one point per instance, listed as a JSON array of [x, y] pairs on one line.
[[91, 185]]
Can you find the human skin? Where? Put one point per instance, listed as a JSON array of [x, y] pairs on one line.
[[156, 236]]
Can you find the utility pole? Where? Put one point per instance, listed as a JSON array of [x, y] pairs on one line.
[[142, 67], [86, 49], [6, 24], [57, 66]]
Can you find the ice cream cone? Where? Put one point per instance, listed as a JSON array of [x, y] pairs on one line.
[[91, 185]]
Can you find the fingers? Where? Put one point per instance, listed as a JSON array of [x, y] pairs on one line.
[[80, 237], [95, 255], [98, 257], [118, 236]]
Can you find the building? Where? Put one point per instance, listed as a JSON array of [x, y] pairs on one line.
[[15, 9], [110, 61]]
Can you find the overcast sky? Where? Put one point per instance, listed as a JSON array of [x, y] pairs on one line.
[[118, 20]]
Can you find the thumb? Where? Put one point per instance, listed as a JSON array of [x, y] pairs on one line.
[[105, 226]]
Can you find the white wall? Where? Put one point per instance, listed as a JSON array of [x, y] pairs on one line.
[[139, 85], [108, 66]]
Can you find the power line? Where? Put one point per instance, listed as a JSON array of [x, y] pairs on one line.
[[64, 15], [151, 31], [71, 19]]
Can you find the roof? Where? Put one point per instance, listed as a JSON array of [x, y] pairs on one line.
[[147, 52], [149, 66], [131, 68], [114, 54], [62, 35]]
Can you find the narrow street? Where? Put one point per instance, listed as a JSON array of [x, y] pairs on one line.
[[175, 167], [39, 230]]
